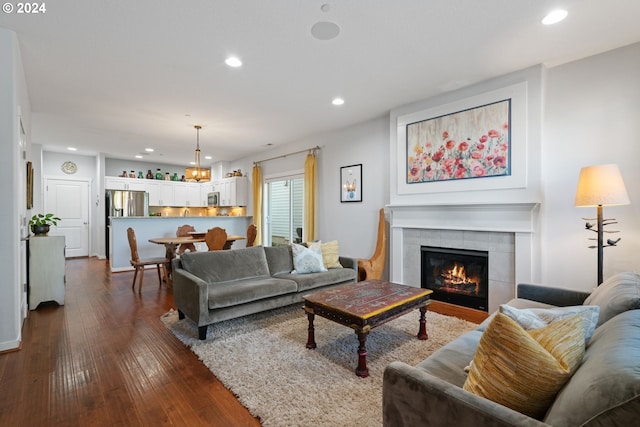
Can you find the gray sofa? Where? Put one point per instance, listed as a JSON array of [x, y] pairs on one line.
[[210, 287], [604, 391]]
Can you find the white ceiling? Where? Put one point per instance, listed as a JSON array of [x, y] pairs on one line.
[[118, 76]]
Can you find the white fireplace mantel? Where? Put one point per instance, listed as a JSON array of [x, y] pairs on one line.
[[521, 219], [504, 217]]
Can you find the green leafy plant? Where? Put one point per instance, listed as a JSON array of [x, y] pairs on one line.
[[43, 219]]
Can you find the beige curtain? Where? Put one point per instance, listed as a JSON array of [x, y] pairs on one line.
[[257, 202], [310, 198]]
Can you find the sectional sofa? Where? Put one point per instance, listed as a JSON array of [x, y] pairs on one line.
[[210, 287], [604, 390]]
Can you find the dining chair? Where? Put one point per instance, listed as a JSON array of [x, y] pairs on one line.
[[183, 231], [139, 264], [216, 238], [252, 232]]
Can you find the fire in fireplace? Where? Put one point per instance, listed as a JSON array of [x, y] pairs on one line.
[[456, 276]]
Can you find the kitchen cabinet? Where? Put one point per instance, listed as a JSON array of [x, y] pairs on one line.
[[187, 194], [46, 270], [225, 193], [233, 191], [180, 194], [161, 193], [127, 184], [205, 189]]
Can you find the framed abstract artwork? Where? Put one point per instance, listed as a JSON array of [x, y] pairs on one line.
[[467, 144], [351, 183]]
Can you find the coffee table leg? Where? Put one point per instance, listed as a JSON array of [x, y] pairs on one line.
[[311, 338], [362, 370], [422, 332]]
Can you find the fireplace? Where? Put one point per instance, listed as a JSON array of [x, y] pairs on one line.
[[456, 276]]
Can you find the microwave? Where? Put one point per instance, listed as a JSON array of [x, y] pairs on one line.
[[213, 199]]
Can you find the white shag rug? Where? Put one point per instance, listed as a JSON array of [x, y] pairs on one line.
[[263, 360]]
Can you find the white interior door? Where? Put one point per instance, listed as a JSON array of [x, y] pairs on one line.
[[69, 200]]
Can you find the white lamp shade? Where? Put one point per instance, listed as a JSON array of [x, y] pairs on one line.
[[601, 185]]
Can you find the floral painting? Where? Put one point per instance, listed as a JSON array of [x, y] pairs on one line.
[[473, 143]]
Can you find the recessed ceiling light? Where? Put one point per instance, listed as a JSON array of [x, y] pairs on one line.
[[138, 156], [233, 61], [554, 17], [337, 101], [208, 157], [71, 148], [149, 150], [192, 163]]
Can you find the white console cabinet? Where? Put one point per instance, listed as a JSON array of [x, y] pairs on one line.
[[46, 270]]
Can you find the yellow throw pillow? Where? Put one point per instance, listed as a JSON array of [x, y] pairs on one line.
[[330, 254], [524, 370]]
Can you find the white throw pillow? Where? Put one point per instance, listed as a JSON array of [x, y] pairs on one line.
[[307, 260], [535, 318]]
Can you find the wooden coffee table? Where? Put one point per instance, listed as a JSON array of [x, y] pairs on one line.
[[363, 306]]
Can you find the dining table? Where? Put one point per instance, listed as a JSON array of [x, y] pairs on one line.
[[171, 245]]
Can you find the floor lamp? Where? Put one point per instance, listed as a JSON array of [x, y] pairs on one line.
[[599, 186]]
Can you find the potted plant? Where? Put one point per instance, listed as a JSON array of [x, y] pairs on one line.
[[40, 223]]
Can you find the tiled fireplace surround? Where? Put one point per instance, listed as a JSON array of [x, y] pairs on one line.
[[506, 231]]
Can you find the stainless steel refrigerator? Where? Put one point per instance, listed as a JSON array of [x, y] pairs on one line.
[[124, 203]]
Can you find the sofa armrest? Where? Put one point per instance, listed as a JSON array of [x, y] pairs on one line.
[[413, 397], [555, 296], [190, 294], [348, 262]]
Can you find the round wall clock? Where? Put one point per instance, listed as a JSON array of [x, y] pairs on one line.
[[69, 168]]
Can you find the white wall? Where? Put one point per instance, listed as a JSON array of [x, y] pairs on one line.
[[14, 104], [592, 116], [355, 224], [115, 167]]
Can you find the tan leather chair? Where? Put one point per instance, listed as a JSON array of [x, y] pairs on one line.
[[183, 231], [252, 232], [216, 238], [139, 264]]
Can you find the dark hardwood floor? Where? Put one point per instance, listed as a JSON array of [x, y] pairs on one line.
[[106, 359]]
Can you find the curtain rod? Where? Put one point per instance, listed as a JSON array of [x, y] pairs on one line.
[[317, 147]]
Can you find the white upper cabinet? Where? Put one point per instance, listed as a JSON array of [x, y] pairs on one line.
[[161, 193], [127, 184], [187, 194], [233, 191]]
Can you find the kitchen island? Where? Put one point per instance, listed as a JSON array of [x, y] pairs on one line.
[[149, 227]]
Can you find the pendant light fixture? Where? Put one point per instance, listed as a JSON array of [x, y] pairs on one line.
[[197, 173]]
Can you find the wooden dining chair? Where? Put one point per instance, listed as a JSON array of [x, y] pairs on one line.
[[183, 231], [252, 232], [216, 238], [139, 264]]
